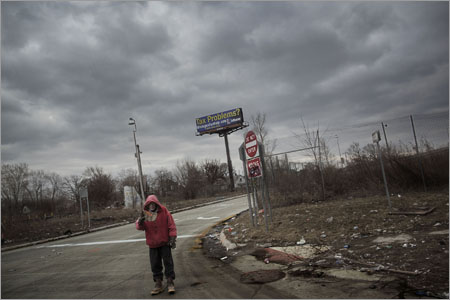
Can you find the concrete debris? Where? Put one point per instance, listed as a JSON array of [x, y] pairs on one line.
[[402, 238], [226, 243]]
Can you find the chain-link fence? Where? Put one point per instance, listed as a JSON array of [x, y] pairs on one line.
[[344, 153]]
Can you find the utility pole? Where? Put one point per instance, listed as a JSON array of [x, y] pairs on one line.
[[339, 148], [385, 138], [138, 158], [418, 154]]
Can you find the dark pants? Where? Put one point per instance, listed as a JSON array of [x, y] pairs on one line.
[[158, 256]]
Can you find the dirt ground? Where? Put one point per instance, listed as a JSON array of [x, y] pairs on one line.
[[361, 234]]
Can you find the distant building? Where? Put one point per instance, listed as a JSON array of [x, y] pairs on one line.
[[131, 197], [239, 181]]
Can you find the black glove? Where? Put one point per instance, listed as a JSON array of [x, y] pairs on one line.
[[141, 219], [173, 242]]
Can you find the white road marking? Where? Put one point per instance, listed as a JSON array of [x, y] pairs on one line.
[[209, 218], [108, 242]]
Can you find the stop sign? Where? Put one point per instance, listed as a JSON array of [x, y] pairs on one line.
[[251, 145]]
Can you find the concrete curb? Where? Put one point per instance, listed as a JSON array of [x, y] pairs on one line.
[[198, 240], [4, 249], [204, 204], [63, 236]]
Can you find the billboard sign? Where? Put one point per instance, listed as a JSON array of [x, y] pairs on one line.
[[220, 121], [254, 168]]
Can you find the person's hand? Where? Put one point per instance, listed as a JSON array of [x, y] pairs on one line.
[[141, 219], [173, 242]]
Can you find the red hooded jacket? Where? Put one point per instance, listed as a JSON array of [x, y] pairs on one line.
[[157, 232]]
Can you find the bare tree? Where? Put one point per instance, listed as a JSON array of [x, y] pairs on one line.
[[189, 178], [55, 185], [310, 140], [72, 185], [14, 182], [101, 186], [259, 127], [36, 181], [163, 181]]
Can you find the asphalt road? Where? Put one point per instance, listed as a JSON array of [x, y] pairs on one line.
[[114, 264]]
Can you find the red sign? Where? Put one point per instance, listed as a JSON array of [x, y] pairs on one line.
[[254, 167], [251, 144]]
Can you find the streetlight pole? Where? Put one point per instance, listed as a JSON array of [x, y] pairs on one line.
[[138, 158]]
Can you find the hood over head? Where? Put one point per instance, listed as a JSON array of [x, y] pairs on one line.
[[150, 199]]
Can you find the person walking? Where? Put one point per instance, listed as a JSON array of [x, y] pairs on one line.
[[160, 235]]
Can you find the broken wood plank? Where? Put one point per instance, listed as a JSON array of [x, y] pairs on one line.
[[412, 212]]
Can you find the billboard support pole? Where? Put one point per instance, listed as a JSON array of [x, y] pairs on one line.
[[230, 167]]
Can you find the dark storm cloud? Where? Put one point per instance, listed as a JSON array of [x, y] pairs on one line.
[[74, 72]]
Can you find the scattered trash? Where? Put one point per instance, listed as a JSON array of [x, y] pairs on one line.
[[379, 267], [322, 261], [339, 262], [355, 228], [389, 246], [234, 233], [421, 293], [405, 245], [437, 224], [399, 195], [338, 255], [346, 246], [378, 248], [378, 230], [330, 219], [363, 269], [355, 235], [301, 242], [373, 211], [224, 258], [266, 260], [323, 235]]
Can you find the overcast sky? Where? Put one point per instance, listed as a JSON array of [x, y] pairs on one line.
[[74, 72]]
